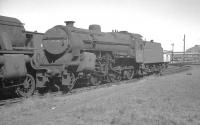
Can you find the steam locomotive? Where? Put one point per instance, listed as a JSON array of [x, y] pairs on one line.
[[66, 55], [71, 54], [16, 51]]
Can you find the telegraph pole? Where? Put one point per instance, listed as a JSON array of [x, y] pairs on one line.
[[172, 52], [184, 48]]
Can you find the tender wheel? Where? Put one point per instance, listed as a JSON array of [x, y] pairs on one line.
[[128, 74], [28, 86], [94, 80], [68, 82]]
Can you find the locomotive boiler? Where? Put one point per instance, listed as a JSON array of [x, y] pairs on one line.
[[71, 54], [15, 58]]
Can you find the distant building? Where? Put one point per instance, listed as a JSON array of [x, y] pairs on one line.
[[192, 55], [195, 49]]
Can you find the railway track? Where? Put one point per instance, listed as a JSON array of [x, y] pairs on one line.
[[170, 70], [175, 69], [88, 88], [8, 102], [11, 101]]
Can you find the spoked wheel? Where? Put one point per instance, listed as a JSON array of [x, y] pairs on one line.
[[106, 63], [114, 77], [94, 80], [28, 86], [128, 74], [68, 82]]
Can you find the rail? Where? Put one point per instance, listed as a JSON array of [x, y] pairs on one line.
[[169, 70]]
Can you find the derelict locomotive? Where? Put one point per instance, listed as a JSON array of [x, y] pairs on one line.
[[71, 54], [66, 55], [15, 68]]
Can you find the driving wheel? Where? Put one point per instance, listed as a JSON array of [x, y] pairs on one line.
[[94, 80], [114, 77], [128, 74], [28, 86], [68, 81]]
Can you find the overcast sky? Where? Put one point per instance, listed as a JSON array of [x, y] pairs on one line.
[[164, 21]]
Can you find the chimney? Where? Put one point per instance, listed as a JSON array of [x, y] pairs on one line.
[[69, 23]]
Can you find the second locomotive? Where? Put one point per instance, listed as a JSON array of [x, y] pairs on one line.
[[69, 54]]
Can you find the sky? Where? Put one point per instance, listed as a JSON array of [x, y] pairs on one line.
[[164, 21]]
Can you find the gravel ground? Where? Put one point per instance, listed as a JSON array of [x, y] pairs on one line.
[[166, 100]]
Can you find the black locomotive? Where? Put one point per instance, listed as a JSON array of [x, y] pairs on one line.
[[16, 51], [71, 54], [66, 55]]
